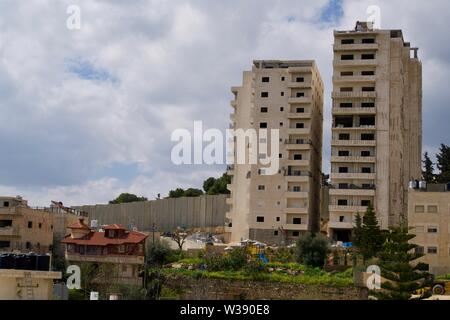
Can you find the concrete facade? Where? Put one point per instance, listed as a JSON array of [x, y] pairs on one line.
[[167, 214], [288, 96], [429, 220], [377, 126], [24, 229], [15, 285]]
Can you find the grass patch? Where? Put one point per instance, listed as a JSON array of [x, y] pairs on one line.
[[310, 277]]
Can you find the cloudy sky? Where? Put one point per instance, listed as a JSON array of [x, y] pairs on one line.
[[87, 114]]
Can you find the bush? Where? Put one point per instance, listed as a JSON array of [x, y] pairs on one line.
[[312, 249], [75, 294], [158, 253], [235, 260], [283, 254]]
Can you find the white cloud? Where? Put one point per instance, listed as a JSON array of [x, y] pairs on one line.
[[172, 63]]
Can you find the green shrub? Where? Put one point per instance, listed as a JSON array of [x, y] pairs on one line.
[[158, 253], [284, 255], [312, 249], [75, 294], [235, 260]]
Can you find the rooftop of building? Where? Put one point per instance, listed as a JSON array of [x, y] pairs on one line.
[[367, 27], [104, 238], [421, 186], [272, 64], [13, 273], [80, 224]]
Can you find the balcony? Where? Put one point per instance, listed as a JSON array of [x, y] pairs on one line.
[[353, 95], [9, 231], [295, 227], [352, 192], [355, 63], [299, 115], [340, 225], [297, 173], [353, 110], [230, 170], [355, 175], [300, 163], [292, 194], [350, 79], [9, 211], [299, 69], [298, 131], [296, 210], [299, 100], [353, 159], [305, 85], [347, 208], [297, 178], [233, 103], [354, 143], [354, 128], [230, 187], [298, 144], [355, 47], [126, 259], [229, 201]]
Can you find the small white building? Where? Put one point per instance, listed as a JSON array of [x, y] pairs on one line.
[[27, 284]]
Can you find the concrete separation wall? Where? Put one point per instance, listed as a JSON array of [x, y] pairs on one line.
[[167, 214]]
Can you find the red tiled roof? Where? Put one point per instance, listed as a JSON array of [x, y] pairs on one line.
[[79, 225], [114, 226], [99, 239]]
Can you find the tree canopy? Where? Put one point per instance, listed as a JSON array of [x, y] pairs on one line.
[[428, 169], [127, 197], [312, 249], [403, 277], [211, 186], [443, 164], [368, 238]]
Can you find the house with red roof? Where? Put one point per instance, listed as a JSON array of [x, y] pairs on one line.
[[112, 245]]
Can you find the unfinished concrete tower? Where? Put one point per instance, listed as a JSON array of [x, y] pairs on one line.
[[276, 209], [377, 126]]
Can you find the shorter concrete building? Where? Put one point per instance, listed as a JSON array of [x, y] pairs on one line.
[[111, 247], [429, 220], [24, 229], [27, 284]]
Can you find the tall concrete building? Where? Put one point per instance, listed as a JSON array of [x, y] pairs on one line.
[[377, 126], [276, 209]]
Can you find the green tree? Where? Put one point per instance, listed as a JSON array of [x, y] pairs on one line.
[[220, 185], [208, 183], [177, 193], [312, 249], [192, 192], [443, 164], [371, 236], [395, 262], [428, 169], [127, 197], [158, 253], [367, 236]]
